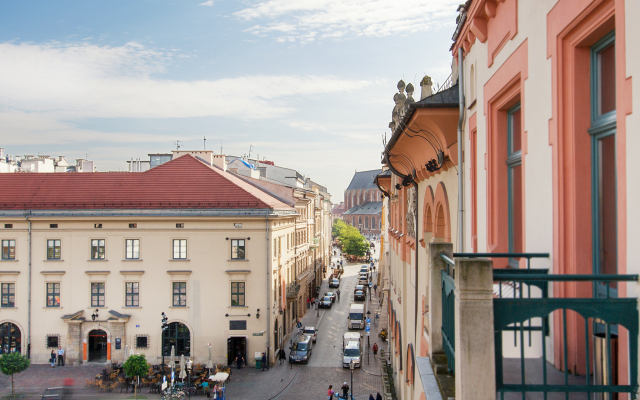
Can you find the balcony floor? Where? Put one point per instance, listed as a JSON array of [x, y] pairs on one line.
[[533, 375]]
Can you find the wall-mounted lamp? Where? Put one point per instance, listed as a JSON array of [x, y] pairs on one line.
[[94, 315], [258, 313]]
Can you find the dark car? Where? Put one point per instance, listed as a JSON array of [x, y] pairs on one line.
[[301, 350], [332, 296], [334, 283], [53, 393], [359, 295], [325, 302], [360, 287]]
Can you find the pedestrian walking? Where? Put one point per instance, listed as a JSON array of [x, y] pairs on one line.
[[60, 357], [371, 397], [281, 355], [53, 359], [375, 350], [308, 302], [299, 326], [338, 292], [239, 360], [264, 362], [345, 390], [378, 396], [375, 288], [330, 392]]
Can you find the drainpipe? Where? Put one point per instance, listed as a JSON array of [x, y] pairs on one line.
[[266, 219], [460, 163], [29, 295]]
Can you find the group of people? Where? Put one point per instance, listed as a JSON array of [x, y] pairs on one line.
[[345, 393], [57, 356]]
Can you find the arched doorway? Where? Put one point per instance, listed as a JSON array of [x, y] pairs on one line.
[[97, 346], [178, 336], [11, 338]]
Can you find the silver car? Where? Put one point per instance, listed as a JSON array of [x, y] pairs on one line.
[[311, 331]]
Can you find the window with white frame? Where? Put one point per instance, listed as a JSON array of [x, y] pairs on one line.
[[179, 249], [132, 249], [97, 249], [54, 249]]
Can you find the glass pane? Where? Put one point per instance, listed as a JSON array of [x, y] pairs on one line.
[[516, 209], [516, 137], [608, 259], [607, 79]]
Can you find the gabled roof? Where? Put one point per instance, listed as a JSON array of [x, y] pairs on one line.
[[364, 180], [182, 183], [371, 208]]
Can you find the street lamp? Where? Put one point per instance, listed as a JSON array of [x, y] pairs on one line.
[[94, 315], [165, 326], [189, 367], [352, 365]]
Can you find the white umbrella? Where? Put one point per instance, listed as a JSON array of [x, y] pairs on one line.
[[210, 361], [172, 357], [183, 369], [126, 347]]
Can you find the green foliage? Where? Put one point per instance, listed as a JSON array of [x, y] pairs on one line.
[[136, 366], [353, 243], [13, 363]]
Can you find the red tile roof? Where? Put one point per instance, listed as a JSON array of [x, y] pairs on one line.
[[183, 183]]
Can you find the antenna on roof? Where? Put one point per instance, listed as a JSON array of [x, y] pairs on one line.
[[205, 143], [250, 147], [177, 145]]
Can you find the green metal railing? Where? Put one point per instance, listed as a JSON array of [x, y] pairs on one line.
[[522, 314], [448, 328]]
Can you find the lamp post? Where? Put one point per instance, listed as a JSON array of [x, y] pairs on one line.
[[164, 328], [352, 365]]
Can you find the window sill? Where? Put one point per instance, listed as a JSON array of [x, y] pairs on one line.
[[8, 308], [238, 259], [131, 307], [132, 259], [179, 259], [98, 260], [238, 307], [58, 260], [8, 260], [98, 307], [52, 308], [179, 307]]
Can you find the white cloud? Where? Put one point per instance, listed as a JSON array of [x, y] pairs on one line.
[[207, 3], [334, 19], [54, 85]]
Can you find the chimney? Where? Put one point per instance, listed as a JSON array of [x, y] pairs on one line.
[[425, 84], [219, 161]]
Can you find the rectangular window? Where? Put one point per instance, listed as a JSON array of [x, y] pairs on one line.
[[53, 226], [8, 249], [179, 294], [133, 249], [514, 171], [97, 294], [53, 294], [53, 249], [97, 249], [237, 325], [141, 342], [8, 226], [53, 341], [132, 293], [237, 249], [237, 293], [179, 249], [8, 295]]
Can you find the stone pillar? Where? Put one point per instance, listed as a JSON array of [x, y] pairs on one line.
[[73, 352], [475, 348], [436, 264], [118, 332]]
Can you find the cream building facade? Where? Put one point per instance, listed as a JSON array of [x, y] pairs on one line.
[[92, 265]]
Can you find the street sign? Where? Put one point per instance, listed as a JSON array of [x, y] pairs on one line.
[[368, 333], [258, 334], [137, 326], [367, 329], [368, 320]]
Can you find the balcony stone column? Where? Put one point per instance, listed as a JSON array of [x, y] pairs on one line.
[[436, 264], [475, 348]]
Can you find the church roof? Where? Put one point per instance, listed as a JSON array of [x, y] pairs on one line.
[[364, 180], [371, 208]]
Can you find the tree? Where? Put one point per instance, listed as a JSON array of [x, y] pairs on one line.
[[135, 367], [353, 243], [13, 363]]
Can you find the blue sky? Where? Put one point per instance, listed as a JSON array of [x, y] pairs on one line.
[[307, 83]]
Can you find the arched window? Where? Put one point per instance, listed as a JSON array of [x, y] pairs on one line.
[[177, 335], [10, 338]]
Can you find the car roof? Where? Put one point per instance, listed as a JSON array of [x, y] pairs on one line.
[[329, 293], [359, 285], [305, 338], [309, 328], [359, 291], [352, 345]]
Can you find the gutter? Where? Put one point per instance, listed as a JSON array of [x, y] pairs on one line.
[[460, 163], [29, 294], [266, 220], [211, 212]]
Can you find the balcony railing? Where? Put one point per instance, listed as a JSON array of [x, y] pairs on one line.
[[292, 290]]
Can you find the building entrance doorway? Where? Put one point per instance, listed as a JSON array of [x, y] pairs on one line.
[[97, 346], [10, 338], [236, 344]]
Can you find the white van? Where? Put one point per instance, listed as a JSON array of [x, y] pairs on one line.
[[357, 316], [351, 349]]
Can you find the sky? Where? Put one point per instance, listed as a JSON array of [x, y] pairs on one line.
[[308, 84]]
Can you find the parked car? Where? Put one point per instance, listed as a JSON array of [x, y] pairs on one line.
[[359, 295], [334, 283], [364, 268], [360, 287], [363, 281], [52, 393], [311, 331], [301, 350], [325, 302], [332, 296]]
